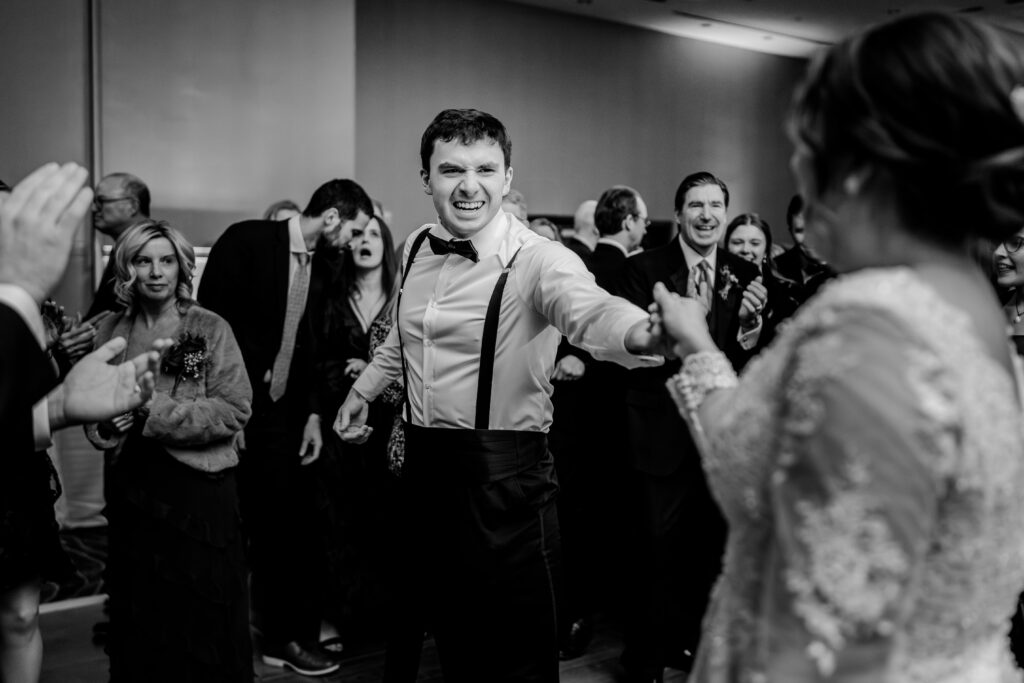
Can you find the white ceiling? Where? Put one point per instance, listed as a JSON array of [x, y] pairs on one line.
[[794, 28]]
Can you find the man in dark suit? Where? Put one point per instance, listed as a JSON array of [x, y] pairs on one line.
[[681, 533], [799, 263], [261, 278], [584, 233], [588, 432]]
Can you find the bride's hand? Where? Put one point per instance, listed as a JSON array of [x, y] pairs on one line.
[[684, 320]]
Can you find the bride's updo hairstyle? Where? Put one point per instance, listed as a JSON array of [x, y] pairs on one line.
[[932, 104]]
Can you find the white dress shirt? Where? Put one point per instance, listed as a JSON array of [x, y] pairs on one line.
[[549, 293], [693, 258], [296, 245], [25, 306]]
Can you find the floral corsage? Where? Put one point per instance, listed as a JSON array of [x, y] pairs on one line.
[[186, 359], [728, 281]]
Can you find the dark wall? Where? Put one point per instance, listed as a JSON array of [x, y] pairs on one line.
[[588, 104]]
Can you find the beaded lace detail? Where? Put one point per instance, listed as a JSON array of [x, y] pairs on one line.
[[700, 374], [871, 466]]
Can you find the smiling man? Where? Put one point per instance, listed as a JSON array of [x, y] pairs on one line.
[[681, 533], [483, 306]]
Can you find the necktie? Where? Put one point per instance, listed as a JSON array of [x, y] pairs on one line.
[[699, 283], [463, 248], [293, 313]]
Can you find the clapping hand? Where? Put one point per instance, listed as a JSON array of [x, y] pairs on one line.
[[120, 424], [79, 338], [755, 297], [95, 391]]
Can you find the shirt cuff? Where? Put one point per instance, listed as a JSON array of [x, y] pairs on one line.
[[749, 339], [41, 425], [370, 383], [20, 300]]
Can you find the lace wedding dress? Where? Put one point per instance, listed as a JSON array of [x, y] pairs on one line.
[[871, 467]]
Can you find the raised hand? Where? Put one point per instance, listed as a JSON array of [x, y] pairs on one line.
[[37, 225], [95, 391], [682, 320]]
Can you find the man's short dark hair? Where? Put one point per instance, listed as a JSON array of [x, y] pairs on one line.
[[615, 205], [134, 188], [468, 126], [344, 195], [796, 206], [696, 180]]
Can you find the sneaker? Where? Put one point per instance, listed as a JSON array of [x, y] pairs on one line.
[[300, 660]]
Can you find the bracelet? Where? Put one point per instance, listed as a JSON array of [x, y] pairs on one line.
[[702, 373]]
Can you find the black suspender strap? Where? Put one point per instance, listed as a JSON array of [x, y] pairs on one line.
[[398, 307], [487, 349]]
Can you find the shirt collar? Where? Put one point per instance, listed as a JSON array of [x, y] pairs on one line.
[[692, 257], [609, 240], [296, 243]]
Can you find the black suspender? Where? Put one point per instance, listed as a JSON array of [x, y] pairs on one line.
[[487, 349], [398, 312], [488, 343]]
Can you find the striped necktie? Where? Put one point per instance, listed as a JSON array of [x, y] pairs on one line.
[[699, 283], [296, 304]]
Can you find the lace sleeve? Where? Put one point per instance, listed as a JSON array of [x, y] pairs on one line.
[[700, 374], [869, 426]]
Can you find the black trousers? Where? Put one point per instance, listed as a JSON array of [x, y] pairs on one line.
[[680, 536], [284, 517], [483, 551]]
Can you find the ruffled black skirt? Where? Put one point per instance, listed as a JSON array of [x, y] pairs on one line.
[[178, 592]]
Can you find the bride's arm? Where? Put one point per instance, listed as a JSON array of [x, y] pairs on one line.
[[868, 429]]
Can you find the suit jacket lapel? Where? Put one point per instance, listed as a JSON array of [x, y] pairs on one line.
[[723, 310], [677, 270]]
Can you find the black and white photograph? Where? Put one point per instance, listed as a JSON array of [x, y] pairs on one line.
[[512, 341]]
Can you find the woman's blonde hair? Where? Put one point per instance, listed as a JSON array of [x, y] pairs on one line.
[[131, 243]]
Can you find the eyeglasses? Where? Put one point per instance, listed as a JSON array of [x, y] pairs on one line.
[[1014, 244], [99, 200], [647, 221]]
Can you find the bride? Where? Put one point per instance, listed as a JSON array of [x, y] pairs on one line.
[[871, 462]]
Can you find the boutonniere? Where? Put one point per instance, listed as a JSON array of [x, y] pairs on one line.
[[186, 359], [728, 280]]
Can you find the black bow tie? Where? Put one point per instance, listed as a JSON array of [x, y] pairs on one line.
[[463, 248]]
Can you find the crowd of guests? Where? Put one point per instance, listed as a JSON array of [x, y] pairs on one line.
[[830, 491]]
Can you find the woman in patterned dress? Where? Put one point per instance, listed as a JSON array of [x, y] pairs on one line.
[[870, 463]]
